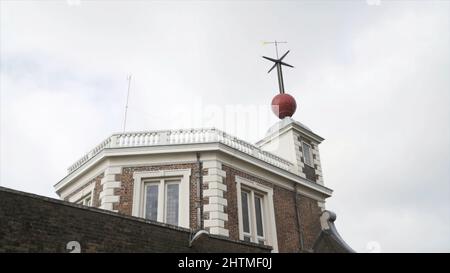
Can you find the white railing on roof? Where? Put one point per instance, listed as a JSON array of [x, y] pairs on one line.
[[184, 136]]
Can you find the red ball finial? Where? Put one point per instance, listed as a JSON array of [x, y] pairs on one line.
[[283, 105]]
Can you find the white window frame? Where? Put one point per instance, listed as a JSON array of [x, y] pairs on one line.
[[82, 200], [268, 212], [88, 191], [310, 154], [162, 197], [182, 177]]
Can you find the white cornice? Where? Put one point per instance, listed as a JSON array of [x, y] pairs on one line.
[[186, 148], [292, 124]]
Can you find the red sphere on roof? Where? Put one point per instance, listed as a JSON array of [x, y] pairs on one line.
[[283, 105]]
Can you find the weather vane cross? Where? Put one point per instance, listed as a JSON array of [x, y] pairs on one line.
[[278, 63], [283, 104]]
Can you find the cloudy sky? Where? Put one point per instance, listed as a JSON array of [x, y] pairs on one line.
[[371, 76]]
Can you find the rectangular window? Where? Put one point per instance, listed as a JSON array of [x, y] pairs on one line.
[[307, 155], [151, 202], [85, 200], [245, 213], [252, 211], [172, 204], [162, 201], [259, 216]]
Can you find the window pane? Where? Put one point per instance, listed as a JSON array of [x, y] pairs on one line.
[[245, 214], [307, 154], [172, 204], [258, 212], [151, 203]]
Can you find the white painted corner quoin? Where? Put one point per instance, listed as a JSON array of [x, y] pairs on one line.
[[107, 196], [215, 181]]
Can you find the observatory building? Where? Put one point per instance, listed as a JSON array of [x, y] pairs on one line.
[[271, 192]]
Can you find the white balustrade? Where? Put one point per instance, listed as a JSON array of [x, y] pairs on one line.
[[189, 136]]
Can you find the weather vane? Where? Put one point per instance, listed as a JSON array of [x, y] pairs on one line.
[[278, 63], [283, 105]]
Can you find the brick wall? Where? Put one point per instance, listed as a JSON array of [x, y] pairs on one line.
[[286, 219], [32, 223], [288, 234], [232, 209], [309, 212]]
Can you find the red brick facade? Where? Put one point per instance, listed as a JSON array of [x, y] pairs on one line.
[[309, 212], [288, 235]]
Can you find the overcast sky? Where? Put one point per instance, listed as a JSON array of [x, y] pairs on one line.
[[371, 77]]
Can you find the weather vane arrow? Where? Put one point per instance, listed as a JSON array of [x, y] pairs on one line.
[[278, 63]]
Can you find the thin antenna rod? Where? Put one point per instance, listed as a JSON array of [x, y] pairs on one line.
[[126, 105], [276, 48], [276, 45]]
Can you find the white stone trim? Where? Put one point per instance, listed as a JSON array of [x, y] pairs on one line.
[[140, 178], [107, 206], [299, 154], [212, 178], [217, 185], [218, 215], [292, 126], [316, 153], [321, 205], [106, 193], [100, 161], [114, 170], [212, 164], [110, 199], [214, 223], [111, 185], [88, 190], [216, 201], [269, 217], [82, 181], [107, 197], [213, 192], [213, 208], [219, 231], [268, 176]]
